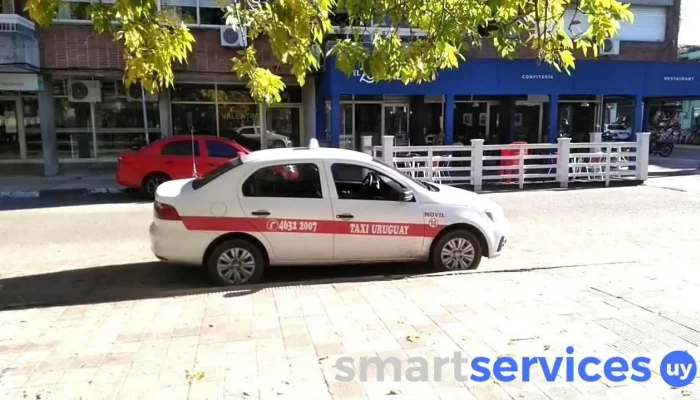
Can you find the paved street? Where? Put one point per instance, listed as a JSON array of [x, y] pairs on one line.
[[89, 313]]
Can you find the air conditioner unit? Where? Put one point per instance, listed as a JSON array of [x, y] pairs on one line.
[[134, 94], [610, 47], [233, 37], [85, 91]]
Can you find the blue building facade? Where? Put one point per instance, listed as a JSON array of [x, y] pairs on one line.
[[500, 100]]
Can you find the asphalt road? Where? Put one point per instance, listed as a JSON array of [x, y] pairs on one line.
[[87, 250]]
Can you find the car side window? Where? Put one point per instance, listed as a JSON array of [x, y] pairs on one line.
[[220, 150], [356, 182], [285, 181], [180, 148]]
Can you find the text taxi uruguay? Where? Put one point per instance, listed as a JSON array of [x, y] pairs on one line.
[[314, 205]]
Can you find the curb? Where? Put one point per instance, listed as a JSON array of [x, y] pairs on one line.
[[61, 192]]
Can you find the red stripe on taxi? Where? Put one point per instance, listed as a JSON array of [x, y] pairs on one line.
[[231, 224]]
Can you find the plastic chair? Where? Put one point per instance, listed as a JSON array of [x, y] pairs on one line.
[[443, 164]]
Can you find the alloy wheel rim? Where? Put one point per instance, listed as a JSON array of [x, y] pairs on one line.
[[153, 184], [236, 265], [457, 254]]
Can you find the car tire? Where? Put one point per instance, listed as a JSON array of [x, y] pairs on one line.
[[151, 183], [666, 150], [463, 245], [278, 144], [227, 264]]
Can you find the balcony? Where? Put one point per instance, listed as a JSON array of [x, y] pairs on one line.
[[19, 47]]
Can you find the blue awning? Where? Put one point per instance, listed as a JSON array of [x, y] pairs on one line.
[[525, 77]]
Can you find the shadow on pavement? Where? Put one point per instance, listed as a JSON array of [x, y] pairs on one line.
[[151, 280], [69, 199], [680, 172]]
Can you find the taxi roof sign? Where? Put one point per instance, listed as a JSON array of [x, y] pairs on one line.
[[313, 144]]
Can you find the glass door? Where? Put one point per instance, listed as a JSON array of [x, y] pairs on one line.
[[347, 128], [368, 122], [396, 123], [527, 122], [283, 127], [9, 132]]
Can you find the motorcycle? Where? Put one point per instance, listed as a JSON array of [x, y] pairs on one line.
[[660, 147]]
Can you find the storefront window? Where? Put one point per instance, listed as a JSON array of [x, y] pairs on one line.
[[285, 122], [73, 129], [199, 119], [618, 112], [470, 121], [32, 126], [120, 124], [194, 93], [291, 94], [233, 94], [241, 123], [9, 134], [228, 110]]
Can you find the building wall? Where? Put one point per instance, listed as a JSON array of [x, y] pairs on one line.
[[78, 47], [629, 51]]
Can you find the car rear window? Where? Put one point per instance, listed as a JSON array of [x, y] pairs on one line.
[[221, 170]]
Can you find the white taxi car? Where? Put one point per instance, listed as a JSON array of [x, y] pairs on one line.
[[293, 206]]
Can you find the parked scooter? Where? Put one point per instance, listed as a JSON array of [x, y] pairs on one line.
[[661, 147]]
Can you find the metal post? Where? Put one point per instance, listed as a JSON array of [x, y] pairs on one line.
[[145, 115]]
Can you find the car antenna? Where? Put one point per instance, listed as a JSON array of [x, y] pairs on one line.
[[194, 165]]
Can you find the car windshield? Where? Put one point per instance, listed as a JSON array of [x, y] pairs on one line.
[[426, 185], [217, 172]]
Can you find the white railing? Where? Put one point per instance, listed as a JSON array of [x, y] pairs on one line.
[[519, 164]]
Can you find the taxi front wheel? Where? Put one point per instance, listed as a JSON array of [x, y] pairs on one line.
[[235, 262], [457, 250]]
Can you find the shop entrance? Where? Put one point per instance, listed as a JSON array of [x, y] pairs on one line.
[[527, 122], [12, 140], [372, 118]]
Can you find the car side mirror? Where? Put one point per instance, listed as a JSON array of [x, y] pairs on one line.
[[405, 195]]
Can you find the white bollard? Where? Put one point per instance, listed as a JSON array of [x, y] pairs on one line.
[[367, 145], [388, 149], [477, 163], [563, 155], [642, 166]]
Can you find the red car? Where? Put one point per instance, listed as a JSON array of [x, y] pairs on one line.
[[173, 158]]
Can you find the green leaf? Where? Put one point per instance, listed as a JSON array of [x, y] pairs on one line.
[[294, 30]]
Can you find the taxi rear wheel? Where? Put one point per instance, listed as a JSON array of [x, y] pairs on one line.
[[457, 250], [236, 262]]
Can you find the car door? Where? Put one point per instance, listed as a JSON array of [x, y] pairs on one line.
[[372, 227], [218, 152], [178, 157], [289, 203]]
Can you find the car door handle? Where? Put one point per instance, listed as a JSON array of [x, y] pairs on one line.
[[261, 213], [345, 216]]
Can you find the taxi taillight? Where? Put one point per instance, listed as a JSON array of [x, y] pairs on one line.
[[165, 212]]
